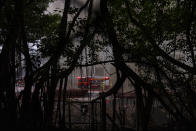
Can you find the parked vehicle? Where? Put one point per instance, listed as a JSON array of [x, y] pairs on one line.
[[99, 83]]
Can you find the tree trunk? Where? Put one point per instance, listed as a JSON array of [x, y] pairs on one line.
[[103, 113]]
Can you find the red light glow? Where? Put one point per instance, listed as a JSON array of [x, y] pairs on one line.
[[106, 78], [78, 77]]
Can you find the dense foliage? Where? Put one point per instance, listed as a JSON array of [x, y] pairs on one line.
[[157, 37]]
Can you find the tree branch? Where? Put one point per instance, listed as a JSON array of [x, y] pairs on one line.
[[147, 34]]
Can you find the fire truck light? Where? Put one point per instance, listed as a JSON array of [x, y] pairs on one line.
[[106, 78]]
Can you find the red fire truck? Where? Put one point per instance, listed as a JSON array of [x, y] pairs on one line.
[[93, 82]]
